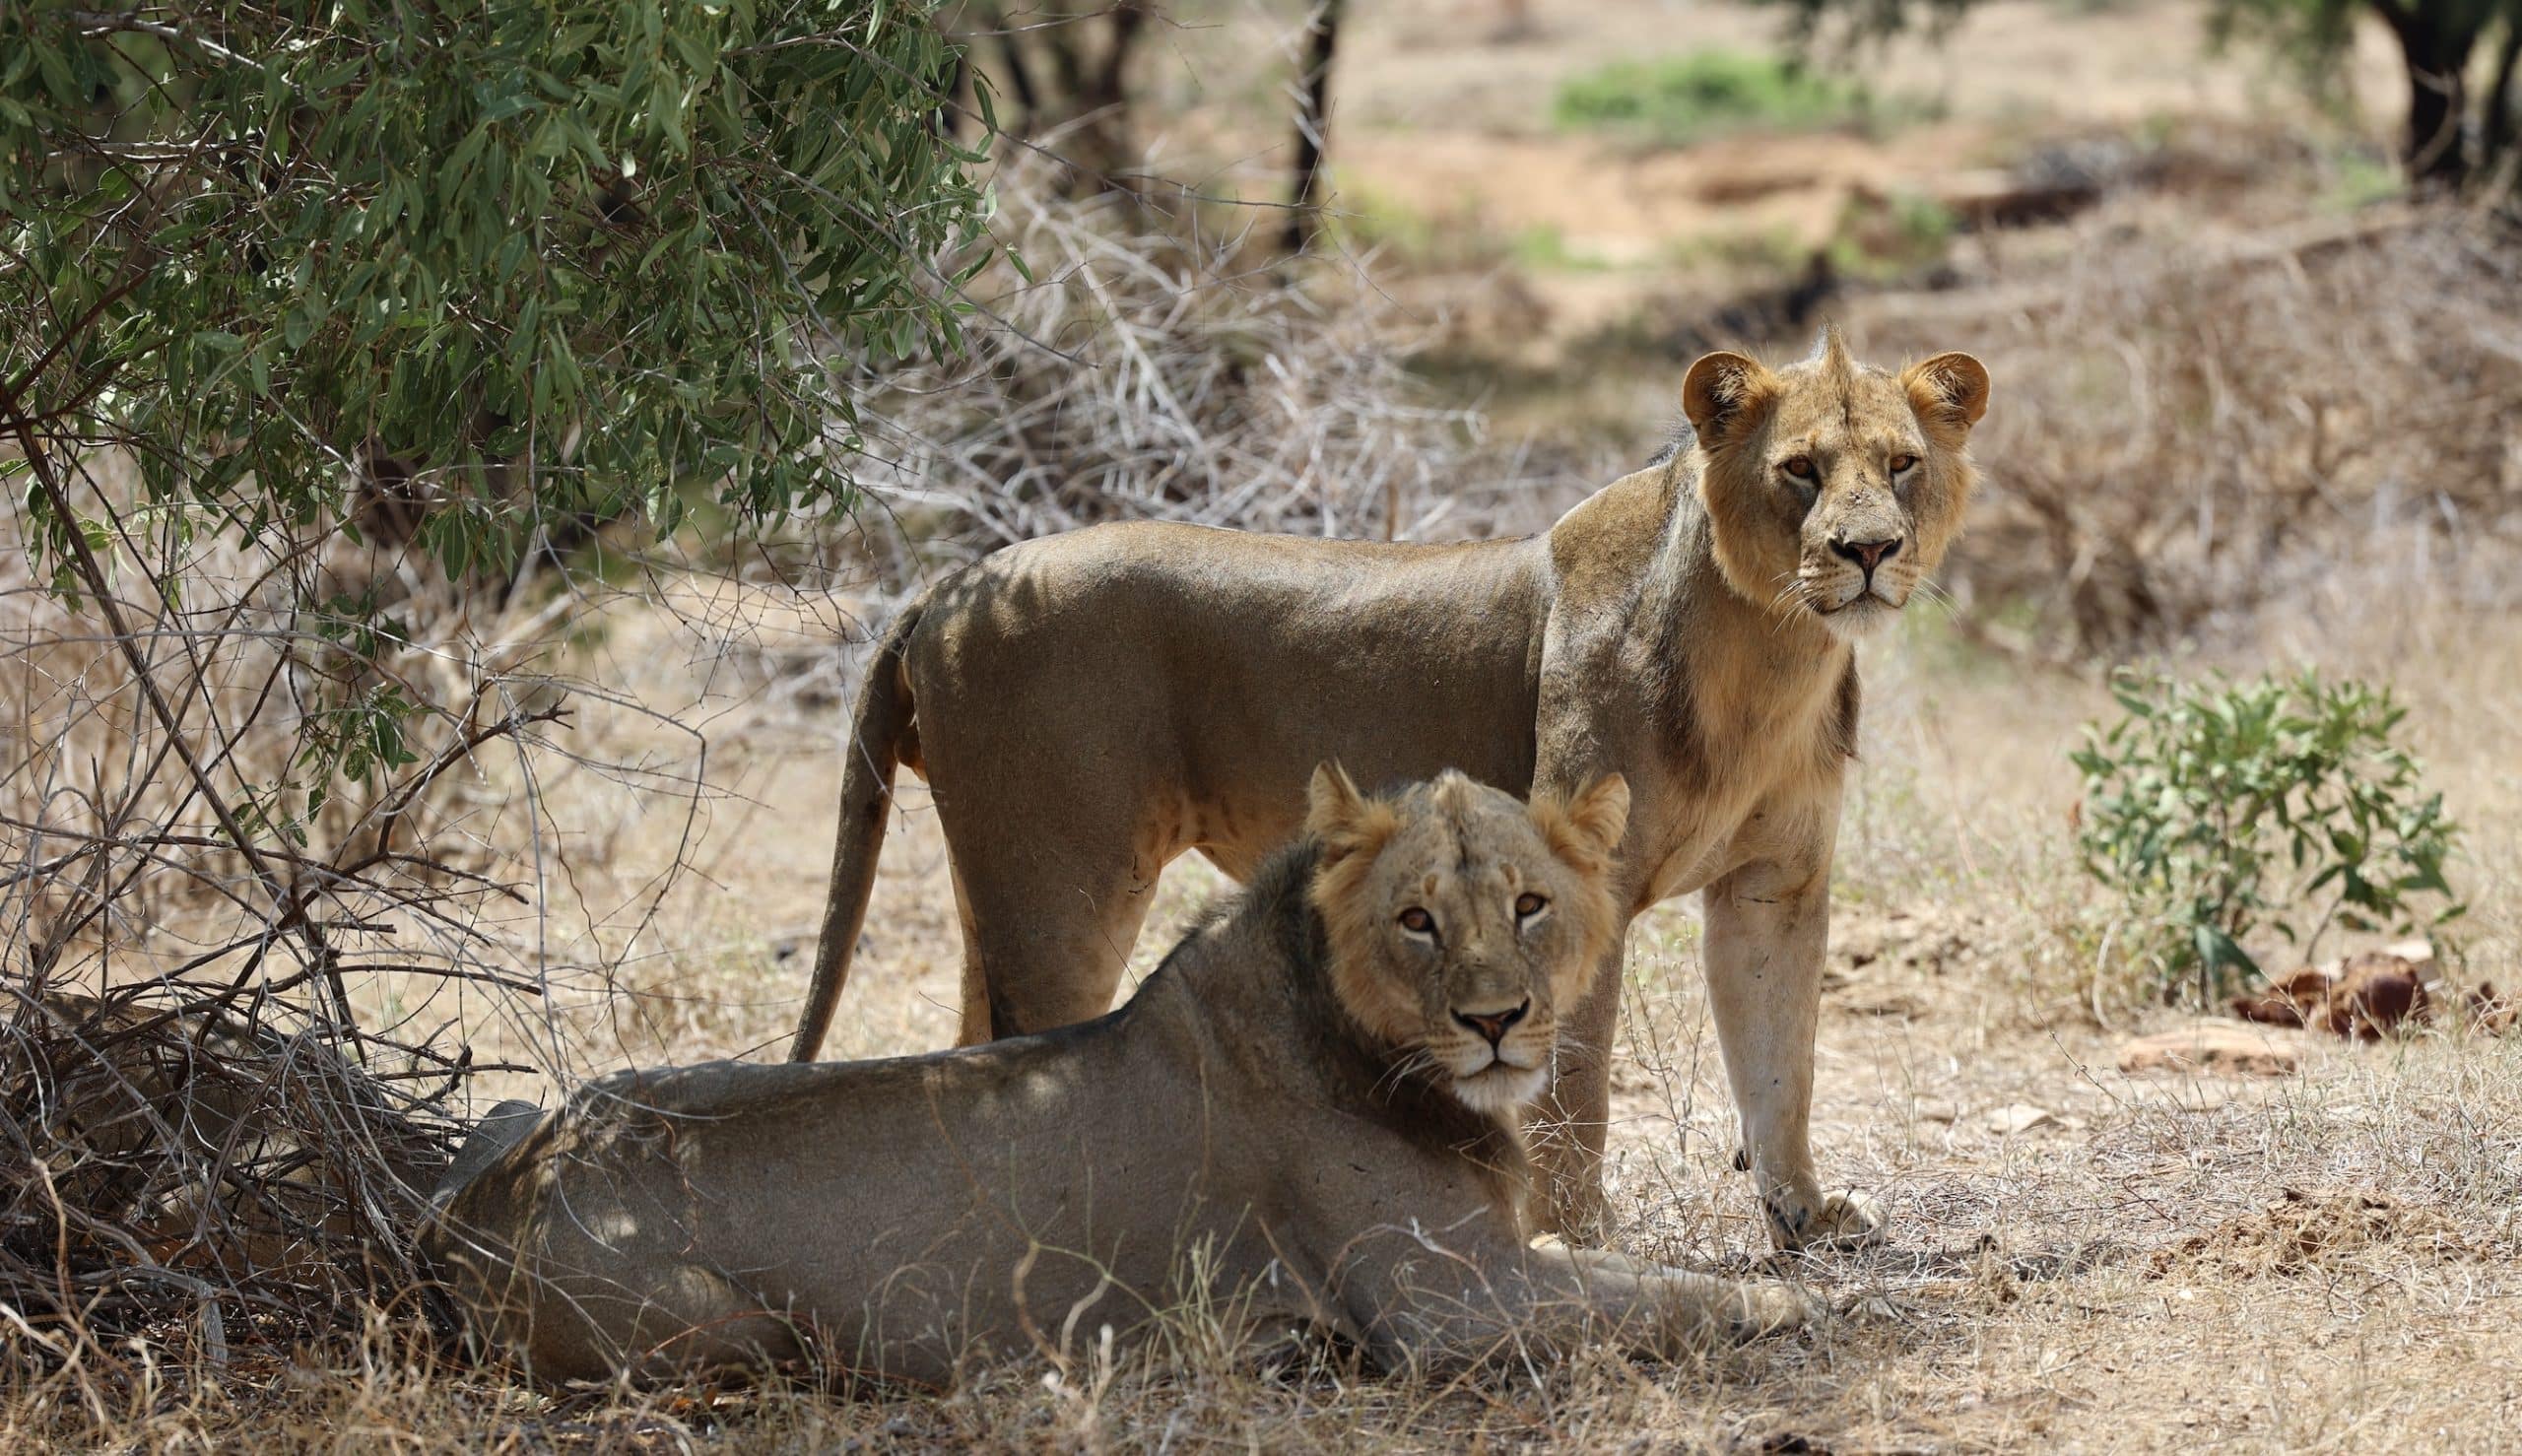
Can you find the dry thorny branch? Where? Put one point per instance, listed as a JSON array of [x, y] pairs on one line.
[[1158, 378], [2183, 442], [232, 948]]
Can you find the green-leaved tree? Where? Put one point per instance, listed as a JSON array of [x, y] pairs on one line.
[[500, 262], [453, 272]]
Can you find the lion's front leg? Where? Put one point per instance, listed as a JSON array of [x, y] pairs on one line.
[[1446, 1304], [1568, 1126], [1768, 935], [1486, 1305]]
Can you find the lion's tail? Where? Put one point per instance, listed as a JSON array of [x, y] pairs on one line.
[[866, 800]]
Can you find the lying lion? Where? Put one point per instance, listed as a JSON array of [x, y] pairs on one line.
[[1306, 1116], [1087, 706]]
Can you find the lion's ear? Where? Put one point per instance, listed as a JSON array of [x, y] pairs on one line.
[[1344, 820], [1724, 394], [1332, 801], [1586, 831], [1601, 812], [1950, 393]]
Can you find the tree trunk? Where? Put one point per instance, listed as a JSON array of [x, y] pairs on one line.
[[2496, 124], [2436, 54], [1081, 101], [1314, 113], [1108, 138]]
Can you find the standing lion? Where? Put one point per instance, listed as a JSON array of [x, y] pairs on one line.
[[1087, 706]]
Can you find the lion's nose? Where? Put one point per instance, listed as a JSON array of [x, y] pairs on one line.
[[1868, 553], [1494, 1025]]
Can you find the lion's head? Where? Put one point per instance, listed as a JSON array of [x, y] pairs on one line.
[[1834, 487], [1461, 920]]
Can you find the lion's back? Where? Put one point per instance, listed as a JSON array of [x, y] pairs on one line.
[[1198, 654]]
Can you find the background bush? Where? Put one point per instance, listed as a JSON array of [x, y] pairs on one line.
[[2215, 810]]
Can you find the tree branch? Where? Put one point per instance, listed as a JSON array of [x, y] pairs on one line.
[[284, 906], [98, 22]]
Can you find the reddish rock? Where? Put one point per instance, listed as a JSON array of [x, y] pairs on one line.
[[2492, 1013], [2361, 998]]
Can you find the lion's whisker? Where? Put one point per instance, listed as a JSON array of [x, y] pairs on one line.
[[1802, 592], [1415, 1058], [1937, 595]]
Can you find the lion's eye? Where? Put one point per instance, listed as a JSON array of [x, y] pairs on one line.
[[1799, 466], [1529, 904], [1418, 921], [1900, 463]]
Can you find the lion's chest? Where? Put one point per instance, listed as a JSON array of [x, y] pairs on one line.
[[1711, 847], [1766, 792]]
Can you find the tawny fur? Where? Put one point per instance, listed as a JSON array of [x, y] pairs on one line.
[[1087, 706], [1280, 1128]]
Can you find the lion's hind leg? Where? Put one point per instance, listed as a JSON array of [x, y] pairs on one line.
[[1049, 919]]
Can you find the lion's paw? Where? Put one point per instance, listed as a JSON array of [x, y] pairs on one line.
[[1846, 1218], [1766, 1307]]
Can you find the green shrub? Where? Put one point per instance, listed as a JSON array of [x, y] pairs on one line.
[[1705, 94], [1887, 237], [2219, 809]]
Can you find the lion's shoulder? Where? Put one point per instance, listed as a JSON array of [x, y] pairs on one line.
[[1603, 549]]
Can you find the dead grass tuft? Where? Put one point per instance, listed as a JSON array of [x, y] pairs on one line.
[[2305, 1231], [207, 1173]]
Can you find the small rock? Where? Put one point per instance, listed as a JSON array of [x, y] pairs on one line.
[[2020, 1117], [2212, 1048], [2294, 999], [1894, 1006]]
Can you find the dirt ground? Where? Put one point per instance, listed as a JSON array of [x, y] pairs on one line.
[[1443, 126], [1451, 121]]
